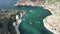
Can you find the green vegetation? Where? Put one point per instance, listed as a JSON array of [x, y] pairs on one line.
[[33, 0], [11, 28], [6, 21], [1, 25]]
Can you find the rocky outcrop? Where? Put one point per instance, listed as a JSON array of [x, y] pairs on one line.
[[7, 17], [29, 2]]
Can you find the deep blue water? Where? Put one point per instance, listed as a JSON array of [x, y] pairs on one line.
[[9, 4]]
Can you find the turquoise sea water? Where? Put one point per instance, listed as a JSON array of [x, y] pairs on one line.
[[32, 21]]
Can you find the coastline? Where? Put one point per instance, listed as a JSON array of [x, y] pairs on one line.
[[53, 8], [27, 3]]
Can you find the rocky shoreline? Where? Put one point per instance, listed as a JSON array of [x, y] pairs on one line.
[[28, 2], [54, 18]]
